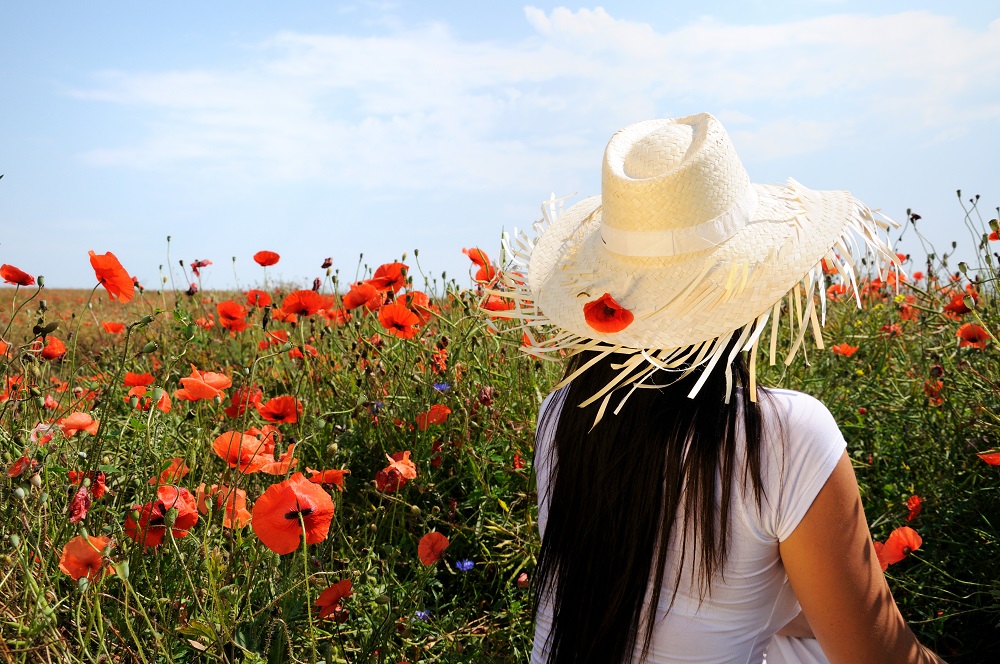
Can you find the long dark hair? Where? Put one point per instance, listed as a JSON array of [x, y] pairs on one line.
[[614, 492]]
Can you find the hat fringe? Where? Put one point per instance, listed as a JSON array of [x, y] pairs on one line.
[[865, 236]]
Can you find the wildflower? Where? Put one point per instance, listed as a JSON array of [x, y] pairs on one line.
[[75, 422], [391, 276], [464, 565], [607, 316], [235, 501], [136, 380], [901, 542], [232, 316], [957, 307], [83, 556], [202, 385], [112, 327], [266, 258], [486, 272], [394, 476], [242, 399], [80, 504], [258, 298], [277, 514], [98, 481], [41, 433], [438, 414], [441, 387], [284, 409], [144, 402], [54, 348], [246, 452], [174, 470], [20, 466], [914, 505], [518, 461], [303, 303], [497, 303], [197, 265], [298, 354], [844, 349], [422, 616], [836, 292], [15, 276], [150, 527], [932, 388], [420, 304], [891, 331], [336, 315], [329, 601], [364, 294], [992, 458], [431, 546], [522, 581], [334, 477], [112, 276], [918, 276], [327, 262], [398, 320], [973, 336]]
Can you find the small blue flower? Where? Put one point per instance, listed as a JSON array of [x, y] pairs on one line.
[[375, 407], [442, 387], [464, 565], [422, 616]]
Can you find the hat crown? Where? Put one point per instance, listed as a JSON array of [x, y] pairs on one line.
[[677, 174]]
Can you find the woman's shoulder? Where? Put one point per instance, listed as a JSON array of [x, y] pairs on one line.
[[797, 410]]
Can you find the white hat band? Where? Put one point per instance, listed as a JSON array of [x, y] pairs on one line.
[[678, 241]]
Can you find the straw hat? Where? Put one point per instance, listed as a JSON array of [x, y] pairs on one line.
[[679, 253]]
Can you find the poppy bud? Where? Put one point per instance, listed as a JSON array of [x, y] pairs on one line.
[[36, 481], [149, 348], [995, 225], [121, 569], [135, 515], [970, 302], [20, 495], [86, 482], [157, 393], [82, 583], [414, 510], [384, 599], [963, 267], [170, 517], [43, 498], [145, 320], [133, 401], [15, 541], [327, 263], [43, 305]]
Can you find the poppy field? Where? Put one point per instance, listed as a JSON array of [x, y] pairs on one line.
[[342, 472]]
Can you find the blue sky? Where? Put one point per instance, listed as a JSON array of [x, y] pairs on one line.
[[320, 129]]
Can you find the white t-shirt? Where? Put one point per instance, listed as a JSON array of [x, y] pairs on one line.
[[736, 621]]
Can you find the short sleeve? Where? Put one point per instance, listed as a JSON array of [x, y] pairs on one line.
[[813, 446]]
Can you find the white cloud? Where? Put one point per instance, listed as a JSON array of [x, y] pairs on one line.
[[423, 108]]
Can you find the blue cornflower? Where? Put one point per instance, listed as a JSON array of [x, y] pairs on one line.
[[422, 616], [442, 387], [464, 565]]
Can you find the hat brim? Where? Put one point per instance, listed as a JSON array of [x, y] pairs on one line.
[[686, 299]]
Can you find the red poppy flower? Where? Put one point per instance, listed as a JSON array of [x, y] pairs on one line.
[[497, 303], [399, 321], [197, 265], [242, 399], [75, 422], [391, 276], [992, 458], [334, 477], [431, 546], [235, 501], [232, 316], [486, 272], [337, 315], [205, 323], [282, 464], [891, 331], [80, 505], [994, 236], [174, 469], [134, 379], [15, 276], [836, 292], [98, 480], [329, 601], [914, 505], [973, 336], [438, 414], [918, 276], [844, 349], [395, 476], [283, 316], [243, 451], [297, 354], [277, 514], [150, 527], [202, 385], [280, 409], [932, 388], [956, 307], [607, 316], [20, 466], [84, 556], [364, 294], [900, 543], [54, 348], [112, 276], [266, 258], [420, 304], [879, 549], [112, 327], [258, 298], [303, 303]]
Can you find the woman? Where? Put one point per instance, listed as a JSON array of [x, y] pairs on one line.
[[686, 514]]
